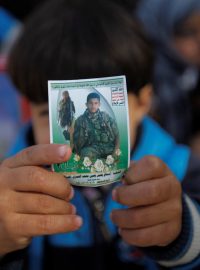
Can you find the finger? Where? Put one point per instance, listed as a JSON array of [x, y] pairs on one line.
[[147, 168], [36, 179], [147, 193], [35, 225], [45, 154], [34, 203], [159, 235], [143, 217]]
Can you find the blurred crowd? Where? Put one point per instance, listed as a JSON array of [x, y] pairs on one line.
[[173, 28]]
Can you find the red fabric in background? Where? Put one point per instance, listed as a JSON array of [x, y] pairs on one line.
[[2, 63], [25, 110]]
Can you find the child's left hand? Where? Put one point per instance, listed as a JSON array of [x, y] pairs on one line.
[[153, 196]]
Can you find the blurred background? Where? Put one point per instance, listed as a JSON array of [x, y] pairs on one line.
[[173, 27], [14, 109]]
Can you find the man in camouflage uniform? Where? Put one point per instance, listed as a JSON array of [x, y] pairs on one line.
[[66, 113], [95, 133]]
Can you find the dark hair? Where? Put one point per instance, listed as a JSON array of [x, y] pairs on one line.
[[65, 92], [79, 39], [93, 95], [129, 5]]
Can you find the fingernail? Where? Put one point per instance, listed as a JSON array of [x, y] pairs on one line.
[[71, 193], [119, 231], [62, 151], [78, 221], [73, 209], [114, 194], [123, 181]]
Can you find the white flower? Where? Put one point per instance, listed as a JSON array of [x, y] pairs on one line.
[[93, 169], [98, 165], [87, 162], [106, 169], [76, 157], [118, 152], [109, 160]]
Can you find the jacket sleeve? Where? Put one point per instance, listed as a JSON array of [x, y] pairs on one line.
[[14, 260], [79, 135], [184, 252]]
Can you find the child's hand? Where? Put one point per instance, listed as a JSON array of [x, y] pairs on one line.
[[153, 195], [34, 201]]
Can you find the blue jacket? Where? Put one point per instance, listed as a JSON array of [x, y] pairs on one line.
[[184, 251]]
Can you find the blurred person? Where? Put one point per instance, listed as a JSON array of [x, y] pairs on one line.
[[174, 28], [150, 209], [10, 112], [66, 118], [9, 98]]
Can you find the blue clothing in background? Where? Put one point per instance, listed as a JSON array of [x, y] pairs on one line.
[[10, 114], [10, 28], [9, 99], [7, 23]]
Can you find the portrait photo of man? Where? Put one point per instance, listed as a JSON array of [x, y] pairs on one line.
[[96, 133]]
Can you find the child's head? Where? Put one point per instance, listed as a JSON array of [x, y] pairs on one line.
[[187, 38], [79, 39], [173, 26]]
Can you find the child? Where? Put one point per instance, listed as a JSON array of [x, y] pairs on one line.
[[72, 39], [174, 28]]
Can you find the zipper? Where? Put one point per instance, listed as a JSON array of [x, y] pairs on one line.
[[96, 201]]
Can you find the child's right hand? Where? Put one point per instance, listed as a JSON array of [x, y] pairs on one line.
[[34, 201]]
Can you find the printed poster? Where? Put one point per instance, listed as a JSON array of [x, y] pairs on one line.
[[91, 116]]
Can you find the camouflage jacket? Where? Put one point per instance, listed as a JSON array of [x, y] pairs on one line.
[[66, 112], [95, 129]]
